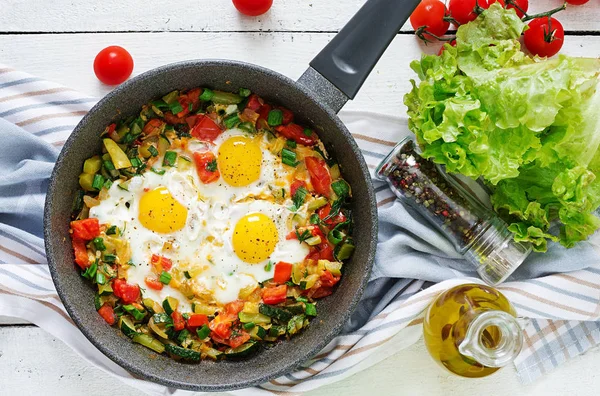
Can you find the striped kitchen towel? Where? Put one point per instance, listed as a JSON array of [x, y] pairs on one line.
[[563, 307]]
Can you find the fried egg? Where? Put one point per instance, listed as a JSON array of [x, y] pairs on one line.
[[224, 233]]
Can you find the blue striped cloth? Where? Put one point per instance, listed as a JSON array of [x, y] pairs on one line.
[[37, 116]]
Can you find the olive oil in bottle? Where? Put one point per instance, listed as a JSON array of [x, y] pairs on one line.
[[472, 330]]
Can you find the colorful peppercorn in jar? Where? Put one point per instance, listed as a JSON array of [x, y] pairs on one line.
[[476, 231]]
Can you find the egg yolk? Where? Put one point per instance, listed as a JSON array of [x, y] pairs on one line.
[[160, 212], [239, 161], [254, 238]]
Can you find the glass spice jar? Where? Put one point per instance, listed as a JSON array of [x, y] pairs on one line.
[[475, 231]]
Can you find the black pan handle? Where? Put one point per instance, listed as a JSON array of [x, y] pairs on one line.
[[348, 59]]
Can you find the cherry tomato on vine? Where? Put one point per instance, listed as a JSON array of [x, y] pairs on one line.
[[113, 65], [520, 5], [430, 13], [577, 2], [253, 7], [452, 43], [544, 37], [464, 11]]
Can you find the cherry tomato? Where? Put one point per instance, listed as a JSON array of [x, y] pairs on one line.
[[443, 48], [113, 65], [298, 134], [253, 7], [86, 229], [274, 295], [206, 166], [464, 11], [153, 283], [283, 272], [544, 37], [81, 257], [577, 2], [522, 5], [430, 13], [108, 314], [178, 322], [319, 175], [127, 292]]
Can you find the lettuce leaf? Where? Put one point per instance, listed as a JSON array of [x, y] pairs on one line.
[[529, 127]]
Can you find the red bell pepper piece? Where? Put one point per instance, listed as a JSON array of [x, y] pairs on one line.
[[283, 272], [205, 128], [127, 292], [197, 320], [206, 166], [274, 295], [86, 229], [297, 133], [153, 283], [319, 175]]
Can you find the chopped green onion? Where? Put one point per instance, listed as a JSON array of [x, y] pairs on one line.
[[310, 309], [249, 326], [99, 243], [100, 278], [245, 92], [275, 117], [170, 158], [98, 182], [133, 311], [288, 157], [341, 188], [109, 258], [207, 95], [112, 230], [135, 162], [269, 266], [165, 277], [161, 318], [187, 274], [302, 285], [108, 184], [90, 272], [175, 107], [190, 106], [291, 144], [231, 121], [97, 301], [247, 127], [302, 299], [157, 171], [153, 151], [335, 236], [308, 131], [78, 201], [203, 332], [313, 241], [160, 104], [108, 165]]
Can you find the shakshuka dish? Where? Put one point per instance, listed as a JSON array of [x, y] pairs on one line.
[[211, 223]]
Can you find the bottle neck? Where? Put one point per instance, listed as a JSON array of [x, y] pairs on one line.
[[493, 339]]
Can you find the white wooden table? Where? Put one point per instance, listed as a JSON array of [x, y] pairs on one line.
[[58, 40]]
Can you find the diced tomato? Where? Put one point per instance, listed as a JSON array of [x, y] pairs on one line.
[[283, 272], [254, 102], [86, 229], [220, 329], [320, 292], [297, 133], [274, 295], [127, 292], [112, 133], [238, 339], [313, 255], [205, 128], [288, 116], [323, 251], [327, 279], [206, 166], [81, 257], [324, 212], [319, 175], [172, 119], [194, 97], [108, 314], [184, 102], [296, 185], [161, 263], [263, 113], [234, 308], [153, 283], [197, 320], [191, 120], [314, 231], [153, 127], [178, 321]]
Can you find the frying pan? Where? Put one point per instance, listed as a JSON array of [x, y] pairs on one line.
[[334, 77]]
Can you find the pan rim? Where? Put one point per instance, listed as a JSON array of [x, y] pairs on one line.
[[115, 356]]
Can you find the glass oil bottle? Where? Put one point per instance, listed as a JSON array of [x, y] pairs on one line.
[[472, 330]]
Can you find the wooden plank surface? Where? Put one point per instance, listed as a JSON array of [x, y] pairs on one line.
[[34, 363], [68, 58], [215, 16]]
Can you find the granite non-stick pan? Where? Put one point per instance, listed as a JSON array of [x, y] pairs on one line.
[[333, 78]]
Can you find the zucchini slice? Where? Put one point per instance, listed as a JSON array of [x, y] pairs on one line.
[[170, 304], [127, 327], [256, 318], [242, 351], [276, 313], [296, 309], [184, 353], [149, 342]]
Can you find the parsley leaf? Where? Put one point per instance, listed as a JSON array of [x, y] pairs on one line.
[[299, 198], [304, 236], [212, 166]]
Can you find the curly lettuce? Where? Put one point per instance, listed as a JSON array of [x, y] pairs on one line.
[[529, 127]]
